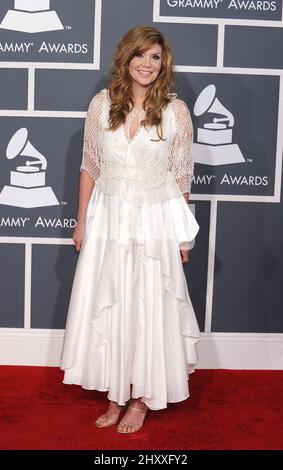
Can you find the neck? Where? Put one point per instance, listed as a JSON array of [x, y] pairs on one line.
[[139, 93]]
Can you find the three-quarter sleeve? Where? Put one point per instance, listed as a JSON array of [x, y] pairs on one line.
[[92, 148], [182, 165]]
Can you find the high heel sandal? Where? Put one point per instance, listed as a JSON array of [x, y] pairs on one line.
[[127, 428], [104, 421]]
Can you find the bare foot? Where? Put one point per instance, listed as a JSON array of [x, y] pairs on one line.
[[133, 420], [110, 417]]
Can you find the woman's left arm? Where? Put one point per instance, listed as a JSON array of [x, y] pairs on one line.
[[182, 157], [182, 164]]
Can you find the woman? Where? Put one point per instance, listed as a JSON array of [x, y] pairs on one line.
[[131, 328]]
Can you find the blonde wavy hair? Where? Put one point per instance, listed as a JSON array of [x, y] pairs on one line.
[[136, 40]]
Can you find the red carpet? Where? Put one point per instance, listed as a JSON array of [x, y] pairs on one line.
[[227, 410]]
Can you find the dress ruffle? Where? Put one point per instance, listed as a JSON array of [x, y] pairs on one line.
[[130, 319]]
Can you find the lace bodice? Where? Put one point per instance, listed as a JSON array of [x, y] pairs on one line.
[[131, 161]]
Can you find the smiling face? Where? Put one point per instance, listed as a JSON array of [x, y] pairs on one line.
[[145, 66]]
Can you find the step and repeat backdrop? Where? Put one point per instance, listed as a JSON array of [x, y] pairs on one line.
[[55, 55]]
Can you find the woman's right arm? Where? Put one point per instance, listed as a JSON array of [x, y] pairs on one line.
[[85, 190], [90, 165]]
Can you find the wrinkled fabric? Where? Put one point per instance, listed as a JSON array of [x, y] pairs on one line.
[[130, 318]]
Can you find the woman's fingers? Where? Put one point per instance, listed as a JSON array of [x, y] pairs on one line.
[[78, 237], [185, 255], [78, 246]]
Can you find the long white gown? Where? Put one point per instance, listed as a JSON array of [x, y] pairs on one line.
[[130, 319]]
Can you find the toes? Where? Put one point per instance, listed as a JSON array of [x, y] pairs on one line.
[[101, 419], [127, 427], [132, 428], [105, 420]]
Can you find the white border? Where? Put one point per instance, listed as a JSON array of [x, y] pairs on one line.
[[216, 21], [210, 265], [94, 65], [241, 351], [39, 347]]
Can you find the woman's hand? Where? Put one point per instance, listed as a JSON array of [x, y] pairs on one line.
[[184, 255], [78, 236]]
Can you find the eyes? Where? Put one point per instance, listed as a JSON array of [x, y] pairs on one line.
[[154, 56]]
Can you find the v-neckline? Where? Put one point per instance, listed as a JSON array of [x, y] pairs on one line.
[[128, 137]]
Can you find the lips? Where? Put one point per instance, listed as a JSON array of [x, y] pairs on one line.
[[145, 73]]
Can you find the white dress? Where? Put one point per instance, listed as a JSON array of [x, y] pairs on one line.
[[130, 319]]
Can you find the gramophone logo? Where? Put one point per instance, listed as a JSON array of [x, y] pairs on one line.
[[214, 139], [27, 184], [31, 16]]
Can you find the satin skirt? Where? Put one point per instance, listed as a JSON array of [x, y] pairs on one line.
[[131, 328]]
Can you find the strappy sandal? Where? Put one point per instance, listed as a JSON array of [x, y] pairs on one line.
[[127, 428]]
